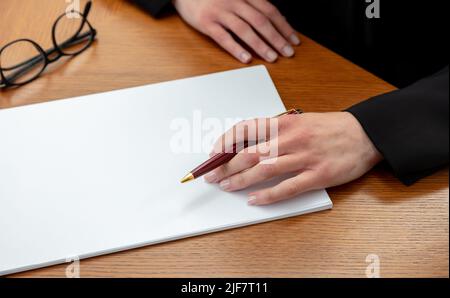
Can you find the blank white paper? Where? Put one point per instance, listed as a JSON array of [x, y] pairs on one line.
[[95, 174]]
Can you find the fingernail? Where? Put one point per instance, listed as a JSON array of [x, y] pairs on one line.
[[245, 57], [211, 177], [225, 184], [271, 56], [251, 200], [288, 51], [294, 39]]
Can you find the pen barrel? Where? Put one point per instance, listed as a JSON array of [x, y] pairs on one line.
[[218, 159], [213, 163]]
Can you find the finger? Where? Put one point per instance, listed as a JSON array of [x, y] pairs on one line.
[[240, 162], [265, 27], [226, 41], [287, 189], [264, 153], [277, 19], [261, 172], [245, 32], [244, 160], [245, 131]]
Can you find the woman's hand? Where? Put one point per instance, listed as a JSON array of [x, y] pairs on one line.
[[321, 149], [256, 22]]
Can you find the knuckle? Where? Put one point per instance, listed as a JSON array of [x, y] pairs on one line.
[[284, 143], [268, 170], [272, 11], [283, 124], [305, 136], [238, 181], [276, 39], [205, 15], [250, 159], [260, 20], [204, 21], [221, 172], [209, 30], [234, 5], [241, 27], [292, 189], [258, 44], [268, 197], [220, 37]]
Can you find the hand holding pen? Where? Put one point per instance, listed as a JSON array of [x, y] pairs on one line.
[[320, 150]]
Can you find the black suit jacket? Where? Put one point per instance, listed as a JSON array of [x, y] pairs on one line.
[[410, 126]]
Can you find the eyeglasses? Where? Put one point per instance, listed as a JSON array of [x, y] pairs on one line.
[[23, 60]]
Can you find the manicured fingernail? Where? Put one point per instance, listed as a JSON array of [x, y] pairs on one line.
[[211, 177], [225, 184], [288, 51], [245, 57], [272, 56], [294, 39], [251, 200]]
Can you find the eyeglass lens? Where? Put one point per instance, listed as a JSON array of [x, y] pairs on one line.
[[72, 33], [21, 61]]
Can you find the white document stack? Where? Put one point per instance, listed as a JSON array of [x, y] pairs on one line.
[[98, 174]]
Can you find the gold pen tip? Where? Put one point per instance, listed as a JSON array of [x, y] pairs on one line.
[[187, 178]]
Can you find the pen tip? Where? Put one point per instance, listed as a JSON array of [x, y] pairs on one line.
[[187, 178]]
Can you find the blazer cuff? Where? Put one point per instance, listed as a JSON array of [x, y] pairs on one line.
[[154, 7], [410, 127]]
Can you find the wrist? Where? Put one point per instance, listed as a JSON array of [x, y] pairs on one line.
[[370, 153]]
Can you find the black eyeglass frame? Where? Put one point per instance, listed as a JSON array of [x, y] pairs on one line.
[[6, 81]]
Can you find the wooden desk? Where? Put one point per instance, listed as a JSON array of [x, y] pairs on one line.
[[407, 227]]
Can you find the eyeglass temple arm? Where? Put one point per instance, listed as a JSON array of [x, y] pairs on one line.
[[86, 11], [76, 36]]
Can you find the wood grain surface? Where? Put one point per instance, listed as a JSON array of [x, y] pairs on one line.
[[407, 227]]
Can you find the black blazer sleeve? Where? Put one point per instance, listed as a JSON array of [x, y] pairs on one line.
[[410, 126], [155, 7]]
